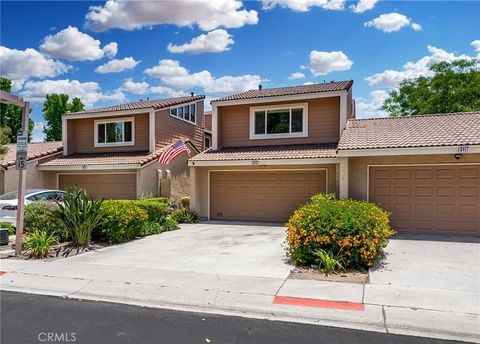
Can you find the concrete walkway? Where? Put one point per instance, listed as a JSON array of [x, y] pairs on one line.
[[424, 287]]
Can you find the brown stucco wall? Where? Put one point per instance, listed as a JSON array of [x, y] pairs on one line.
[[199, 180], [169, 129], [81, 135], [208, 121], [323, 124], [357, 167]]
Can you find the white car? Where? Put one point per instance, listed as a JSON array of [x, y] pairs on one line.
[[9, 201]]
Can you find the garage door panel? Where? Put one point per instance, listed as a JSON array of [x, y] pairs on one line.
[[443, 200], [262, 196], [110, 186]]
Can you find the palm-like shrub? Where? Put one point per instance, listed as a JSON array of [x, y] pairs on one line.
[[80, 214], [38, 243]]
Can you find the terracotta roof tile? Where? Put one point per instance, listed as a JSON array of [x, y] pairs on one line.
[[450, 129], [292, 90], [134, 159], [35, 150], [143, 104], [268, 152]]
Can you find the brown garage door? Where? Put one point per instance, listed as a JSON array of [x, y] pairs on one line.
[[442, 199], [114, 186], [262, 196]]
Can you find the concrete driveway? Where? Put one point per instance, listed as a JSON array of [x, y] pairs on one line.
[[215, 248]]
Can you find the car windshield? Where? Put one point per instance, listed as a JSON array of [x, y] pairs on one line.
[[9, 196]]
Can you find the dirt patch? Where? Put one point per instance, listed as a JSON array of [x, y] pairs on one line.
[[349, 276], [63, 250]]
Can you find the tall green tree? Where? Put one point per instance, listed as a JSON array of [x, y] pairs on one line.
[[54, 107], [454, 87], [11, 117]]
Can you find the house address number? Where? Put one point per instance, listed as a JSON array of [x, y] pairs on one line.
[[463, 149]]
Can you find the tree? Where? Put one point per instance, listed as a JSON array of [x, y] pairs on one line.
[[11, 116], [454, 87], [54, 107]]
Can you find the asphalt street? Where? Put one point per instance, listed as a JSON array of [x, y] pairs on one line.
[[29, 318]]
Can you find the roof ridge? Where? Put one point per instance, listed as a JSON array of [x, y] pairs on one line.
[[415, 116], [314, 84]]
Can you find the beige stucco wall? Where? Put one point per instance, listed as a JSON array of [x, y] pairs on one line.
[[200, 184], [35, 179], [357, 172]]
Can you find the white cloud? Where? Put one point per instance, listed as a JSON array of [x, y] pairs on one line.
[[476, 45], [308, 83], [19, 65], [213, 42], [177, 77], [134, 87], [88, 92], [304, 5], [111, 49], [73, 45], [296, 76], [363, 5], [37, 132], [392, 78], [324, 62], [390, 22], [117, 66], [167, 91], [371, 108], [207, 14]]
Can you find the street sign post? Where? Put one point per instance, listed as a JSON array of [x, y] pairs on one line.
[[21, 163]]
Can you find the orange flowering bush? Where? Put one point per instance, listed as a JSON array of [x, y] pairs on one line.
[[354, 229]]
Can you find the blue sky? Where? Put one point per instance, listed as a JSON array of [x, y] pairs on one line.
[[117, 51]]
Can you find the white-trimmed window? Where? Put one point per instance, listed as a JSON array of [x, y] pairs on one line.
[[186, 112], [115, 132], [279, 121]]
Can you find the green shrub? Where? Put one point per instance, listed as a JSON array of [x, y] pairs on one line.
[[80, 214], [9, 226], [354, 229], [185, 202], [38, 218], [123, 221], [169, 224], [166, 225], [329, 262], [161, 200], [156, 210], [184, 215], [38, 243]]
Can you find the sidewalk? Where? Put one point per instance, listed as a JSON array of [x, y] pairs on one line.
[[417, 311]]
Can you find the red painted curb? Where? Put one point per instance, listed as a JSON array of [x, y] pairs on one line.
[[305, 302], [2, 273]]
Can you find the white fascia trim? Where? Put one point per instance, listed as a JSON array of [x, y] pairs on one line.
[[409, 151], [275, 99], [64, 136], [276, 162], [110, 114], [214, 126], [151, 130], [90, 167]]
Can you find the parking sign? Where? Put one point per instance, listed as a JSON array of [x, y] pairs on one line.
[[22, 144]]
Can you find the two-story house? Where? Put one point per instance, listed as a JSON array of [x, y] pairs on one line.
[[111, 152], [272, 149]]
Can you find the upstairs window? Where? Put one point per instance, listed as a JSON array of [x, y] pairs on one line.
[[117, 132], [278, 121], [185, 112]]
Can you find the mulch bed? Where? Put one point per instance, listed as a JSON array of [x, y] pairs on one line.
[[349, 276]]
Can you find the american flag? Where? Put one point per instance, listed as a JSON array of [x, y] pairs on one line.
[[169, 154]]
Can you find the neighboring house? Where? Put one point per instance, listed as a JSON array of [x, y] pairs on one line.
[[38, 153], [111, 152], [272, 149], [208, 129]]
